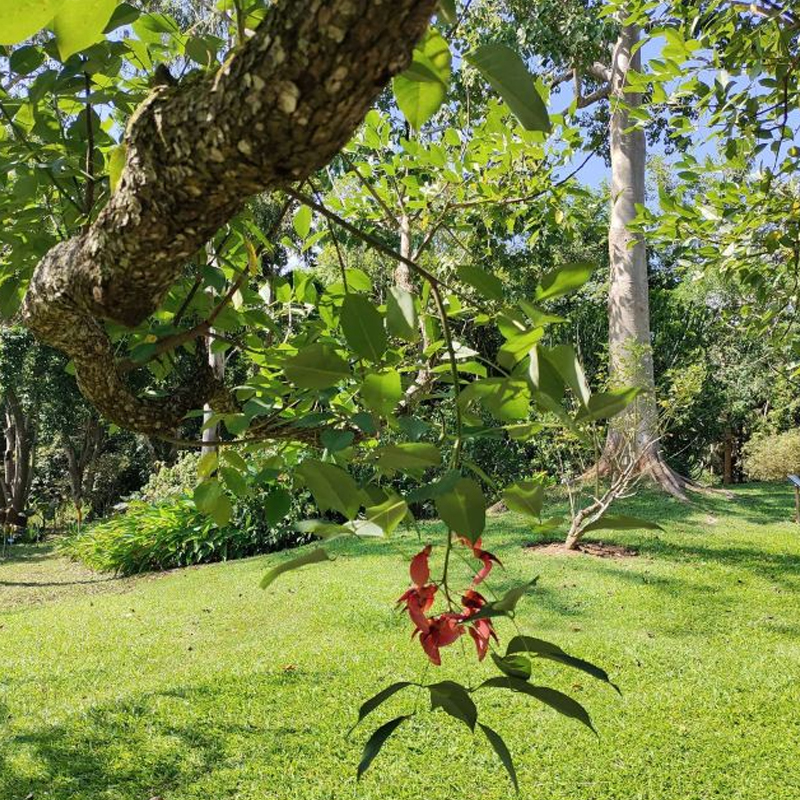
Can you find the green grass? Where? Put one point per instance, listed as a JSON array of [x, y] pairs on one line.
[[196, 684]]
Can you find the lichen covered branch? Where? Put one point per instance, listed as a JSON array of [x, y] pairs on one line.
[[279, 108]]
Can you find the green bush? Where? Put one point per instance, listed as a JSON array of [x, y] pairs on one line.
[[168, 481], [173, 533], [772, 458]]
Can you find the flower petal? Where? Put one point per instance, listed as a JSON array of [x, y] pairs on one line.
[[420, 571]]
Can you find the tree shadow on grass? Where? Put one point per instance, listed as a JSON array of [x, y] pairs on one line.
[[50, 584], [28, 553], [776, 567], [759, 504], [145, 746]]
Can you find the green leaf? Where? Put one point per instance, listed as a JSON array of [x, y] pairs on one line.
[[315, 556], [323, 530], [334, 440], [302, 221], [234, 481], [422, 88], [506, 605], [484, 282], [11, 292], [517, 347], [317, 366], [506, 399], [513, 666], [562, 280], [525, 497], [409, 456], [463, 509], [447, 9], [382, 391], [201, 50], [621, 522], [277, 505], [79, 24], [389, 514], [332, 487], [454, 699], [499, 746], [124, 14], [566, 363], [362, 326], [25, 60], [429, 491], [207, 465], [368, 706], [376, 742], [507, 74], [20, 19], [608, 404], [544, 377], [552, 652], [233, 458], [212, 501], [401, 314], [559, 701]]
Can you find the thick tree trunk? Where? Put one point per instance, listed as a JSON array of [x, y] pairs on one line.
[[633, 434], [20, 443], [280, 108], [81, 461]]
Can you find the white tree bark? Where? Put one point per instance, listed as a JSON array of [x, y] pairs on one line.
[[630, 352], [211, 433]]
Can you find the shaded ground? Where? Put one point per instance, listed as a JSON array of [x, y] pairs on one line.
[[35, 574], [195, 684], [597, 549]]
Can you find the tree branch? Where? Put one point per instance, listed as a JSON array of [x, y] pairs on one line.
[[281, 107]]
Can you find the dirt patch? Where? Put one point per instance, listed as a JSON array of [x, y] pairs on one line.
[[597, 549]]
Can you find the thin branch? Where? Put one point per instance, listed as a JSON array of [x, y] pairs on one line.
[[527, 197], [90, 174], [599, 94], [366, 237], [334, 239], [390, 216]]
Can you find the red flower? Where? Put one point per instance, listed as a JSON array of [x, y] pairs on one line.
[[439, 631], [482, 555], [420, 571], [480, 630], [419, 598], [442, 631]]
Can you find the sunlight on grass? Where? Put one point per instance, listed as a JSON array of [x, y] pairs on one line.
[[195, 684]]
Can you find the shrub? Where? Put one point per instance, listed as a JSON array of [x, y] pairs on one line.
[[770, 458], [171, 480], [173, 533]]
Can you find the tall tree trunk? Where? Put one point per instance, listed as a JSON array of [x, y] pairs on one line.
[[727, 457], [634, 433], [80, 463], [20, 433], [211, 433], [404, 280]]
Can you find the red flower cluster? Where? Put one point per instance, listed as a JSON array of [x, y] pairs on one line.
[[443, 629]]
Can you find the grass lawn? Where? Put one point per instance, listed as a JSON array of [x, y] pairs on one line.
[[196, 684]]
